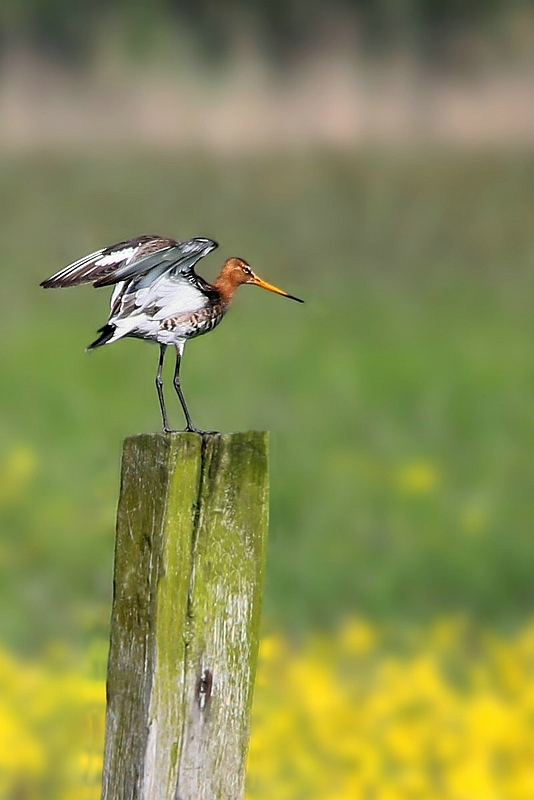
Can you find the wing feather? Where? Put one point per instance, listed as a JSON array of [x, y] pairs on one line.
[[145, 257]]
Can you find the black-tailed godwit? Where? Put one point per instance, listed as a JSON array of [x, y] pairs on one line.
[[158, 296]]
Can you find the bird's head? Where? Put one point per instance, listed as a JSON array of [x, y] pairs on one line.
[[237, 271]]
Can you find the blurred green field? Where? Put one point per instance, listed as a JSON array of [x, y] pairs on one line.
[[400, 397]]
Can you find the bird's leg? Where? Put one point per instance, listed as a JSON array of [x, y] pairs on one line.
[[189, 423], [159, 387]]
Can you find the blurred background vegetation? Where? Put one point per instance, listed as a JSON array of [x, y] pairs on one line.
[[320, 141], [284, 27]]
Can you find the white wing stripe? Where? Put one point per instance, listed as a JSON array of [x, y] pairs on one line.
[[98, 260], [116, 256]]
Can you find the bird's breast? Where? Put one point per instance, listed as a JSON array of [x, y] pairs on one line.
[[190, 324]]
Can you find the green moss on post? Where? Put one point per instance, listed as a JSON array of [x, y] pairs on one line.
[[189, 563]]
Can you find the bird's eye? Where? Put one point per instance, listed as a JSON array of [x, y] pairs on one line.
[[246, 270]]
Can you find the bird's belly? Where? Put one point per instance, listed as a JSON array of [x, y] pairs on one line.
[[189, 325]]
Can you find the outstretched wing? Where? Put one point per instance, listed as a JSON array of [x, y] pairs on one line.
[[149, 256]]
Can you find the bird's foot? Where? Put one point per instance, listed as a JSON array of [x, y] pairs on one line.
[[192, 429]]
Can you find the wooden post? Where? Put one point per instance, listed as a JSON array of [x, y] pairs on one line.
[[189, 563]]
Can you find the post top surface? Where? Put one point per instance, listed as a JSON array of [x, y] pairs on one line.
[[175, 435]]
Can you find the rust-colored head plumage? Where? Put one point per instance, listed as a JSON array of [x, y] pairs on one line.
[[237, 271]]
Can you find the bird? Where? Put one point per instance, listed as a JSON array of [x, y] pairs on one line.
[[158, 296]]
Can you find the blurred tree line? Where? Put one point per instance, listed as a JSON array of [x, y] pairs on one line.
[[284, 29]]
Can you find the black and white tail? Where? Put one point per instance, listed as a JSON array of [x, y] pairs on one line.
[[106, 335]]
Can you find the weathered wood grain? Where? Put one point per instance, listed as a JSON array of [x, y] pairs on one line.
[[189, 561]]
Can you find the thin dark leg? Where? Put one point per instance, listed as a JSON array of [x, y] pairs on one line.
[[159, 387], [189, 423]]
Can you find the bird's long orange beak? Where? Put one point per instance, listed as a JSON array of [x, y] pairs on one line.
[[264, 285]]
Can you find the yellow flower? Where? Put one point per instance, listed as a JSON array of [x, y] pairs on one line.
[[474, 518], [16, 473], [342, 717], [418, 478], [357, 637]]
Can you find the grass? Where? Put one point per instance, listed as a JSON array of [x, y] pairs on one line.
[[399, 397]]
